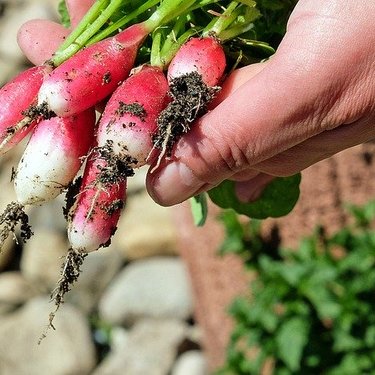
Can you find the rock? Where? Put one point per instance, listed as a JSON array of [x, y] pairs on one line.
[[14, 290], [192, 362], [150, 349], [7, 252], [98, 270], [145, 229], [49, 216], [136, 184], [42, 258], [66, 351], [156, 287]]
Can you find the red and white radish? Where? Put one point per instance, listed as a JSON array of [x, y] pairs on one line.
[[50, 162], [93, 217], [129, 118], [202, 55], [52, 157], [92, 74], [16, 99], [193, 76]]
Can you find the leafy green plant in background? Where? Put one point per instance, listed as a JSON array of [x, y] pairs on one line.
[[309, 310]]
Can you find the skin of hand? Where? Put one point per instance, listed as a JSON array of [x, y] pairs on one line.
[[315, 97]]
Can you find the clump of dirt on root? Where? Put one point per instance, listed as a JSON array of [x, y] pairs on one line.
[[70, 271], [190, 97], [14, 215]]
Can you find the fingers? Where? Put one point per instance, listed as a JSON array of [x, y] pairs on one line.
[[39, 39], [249, 126], [77, 9], [318, 148], [250, 190]]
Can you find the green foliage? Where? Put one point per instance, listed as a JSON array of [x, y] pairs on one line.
[[311, 310], [278, 198], [64, 15]]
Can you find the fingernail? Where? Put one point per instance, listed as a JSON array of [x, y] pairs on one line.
[[173, 184]]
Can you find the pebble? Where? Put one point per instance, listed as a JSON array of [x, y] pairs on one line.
[[192, 362], [66, 351], [14, 291], [145, 229], [42, 257], [157, 287], [150, 348]]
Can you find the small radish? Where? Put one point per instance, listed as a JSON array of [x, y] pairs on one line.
[[49, 164], [202, 55], [17, 99], [52, 157], [193, 75], [93, 73], [95, 210], [130, 115]]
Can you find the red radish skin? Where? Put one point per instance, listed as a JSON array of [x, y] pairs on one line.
[[92, 220], [52, 157], [130, 115], [15, 98], [203, 55], [92, 74], [193, 76]]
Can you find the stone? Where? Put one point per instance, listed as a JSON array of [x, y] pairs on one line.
[[192, 362], [14, 291], [42, 258], [145, 229], [49, 216], [137, 183], [7, 253], [98, 270], [66, 351], [156, 287], [150, 348]]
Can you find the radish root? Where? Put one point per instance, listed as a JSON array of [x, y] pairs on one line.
[[13, 215]]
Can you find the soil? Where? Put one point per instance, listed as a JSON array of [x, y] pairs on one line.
[[190, 97], [13, 215]]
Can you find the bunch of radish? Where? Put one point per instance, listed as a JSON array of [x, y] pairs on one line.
[[145, 112]]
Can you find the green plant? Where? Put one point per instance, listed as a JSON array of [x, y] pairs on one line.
[[310, 310]]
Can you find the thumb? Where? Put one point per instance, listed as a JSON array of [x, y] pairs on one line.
[[175, 181]]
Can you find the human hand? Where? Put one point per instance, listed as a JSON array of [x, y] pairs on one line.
[[39, 39], [312, 99]]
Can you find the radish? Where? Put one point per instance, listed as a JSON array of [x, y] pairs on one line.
[[202, 55], [95, 210], [17, 98], [130, 115], [52, 157], [193, 75], [49, 164], [93, 73]]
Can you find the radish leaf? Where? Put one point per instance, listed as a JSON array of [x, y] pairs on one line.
[[278, 198], [199, 209]]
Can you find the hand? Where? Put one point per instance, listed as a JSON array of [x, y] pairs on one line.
[[39, 39], [312, 99]]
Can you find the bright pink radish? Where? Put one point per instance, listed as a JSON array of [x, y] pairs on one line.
[[203, 55], [130, 115], [15, 98], [52, 157], [92, 74], [193, 76], [93, 218]]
